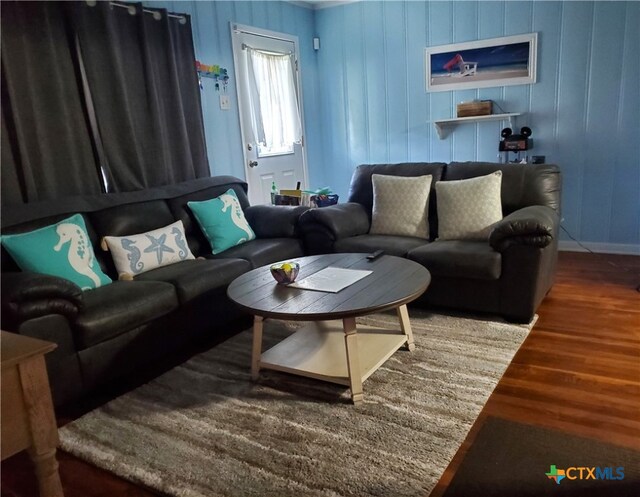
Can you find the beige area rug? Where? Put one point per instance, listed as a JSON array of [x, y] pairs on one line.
[[204, 429]]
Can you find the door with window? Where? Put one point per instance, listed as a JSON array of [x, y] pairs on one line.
[[270, 107]]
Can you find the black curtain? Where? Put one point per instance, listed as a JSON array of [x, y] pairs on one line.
[[46, 147], [141, 79], [97, 92]]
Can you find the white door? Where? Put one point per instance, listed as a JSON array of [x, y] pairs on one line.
[[270, 107]]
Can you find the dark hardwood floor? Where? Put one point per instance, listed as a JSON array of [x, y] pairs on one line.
[[579, 369], [577, 372]]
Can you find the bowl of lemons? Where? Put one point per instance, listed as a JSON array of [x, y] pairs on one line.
[[285, 272]]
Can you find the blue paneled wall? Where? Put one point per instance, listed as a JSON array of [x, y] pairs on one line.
[[365, 98], [584, 110]]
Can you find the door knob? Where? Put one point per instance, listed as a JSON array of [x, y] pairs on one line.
[[253, 163]]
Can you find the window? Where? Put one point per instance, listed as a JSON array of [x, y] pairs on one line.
[[274, 103]]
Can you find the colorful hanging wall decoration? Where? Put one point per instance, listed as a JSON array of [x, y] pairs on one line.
[[217, 73]]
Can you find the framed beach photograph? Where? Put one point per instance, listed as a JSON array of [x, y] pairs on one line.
[[510, 60]]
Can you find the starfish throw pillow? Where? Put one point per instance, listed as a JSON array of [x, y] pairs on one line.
[[136, 254]]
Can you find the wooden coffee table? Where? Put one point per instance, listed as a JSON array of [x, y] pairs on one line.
[[334, 351]]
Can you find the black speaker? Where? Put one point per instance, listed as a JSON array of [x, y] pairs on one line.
[[515, 143]]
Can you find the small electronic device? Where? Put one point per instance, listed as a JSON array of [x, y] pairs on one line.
[[374, 255], [515, 143], [538, 159]]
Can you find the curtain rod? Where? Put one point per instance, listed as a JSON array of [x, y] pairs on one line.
[[132, 10], [248, 47]]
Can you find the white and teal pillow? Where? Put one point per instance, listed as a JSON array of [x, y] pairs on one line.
[[62, 249], [136, 254], [222, 221]]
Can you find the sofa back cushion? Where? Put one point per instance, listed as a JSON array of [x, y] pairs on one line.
[[123, 214], [131, 219], [361, 189], [522, 184]]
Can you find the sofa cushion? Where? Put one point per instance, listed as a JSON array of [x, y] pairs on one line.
[[196, 277], [62, 249], [274, 221], [263, 251], [468, 208], [136, 254], [391, 244], [131, 218], [400, 206], [459, 259], [120, 307], [222, 221]]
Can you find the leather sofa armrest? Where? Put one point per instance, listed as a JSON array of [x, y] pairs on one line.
[[535, 226], [274, 221], [32, 295], [340, 221]]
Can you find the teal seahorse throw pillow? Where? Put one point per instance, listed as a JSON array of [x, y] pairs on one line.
[[62, 249], [136, 254], [222, 221]]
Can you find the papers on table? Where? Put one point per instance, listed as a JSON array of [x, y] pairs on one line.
[[331, 279]]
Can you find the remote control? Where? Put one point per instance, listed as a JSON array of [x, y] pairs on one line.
[[375, 255]]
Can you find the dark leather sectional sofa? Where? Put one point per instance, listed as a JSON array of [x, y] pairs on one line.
[[508, 275], [108, 332]]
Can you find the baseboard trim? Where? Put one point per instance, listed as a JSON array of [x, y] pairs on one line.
[[601, 248]]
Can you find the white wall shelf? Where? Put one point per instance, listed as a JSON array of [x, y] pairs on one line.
[[442, 125]]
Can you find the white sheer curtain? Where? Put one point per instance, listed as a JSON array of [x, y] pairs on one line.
[[274, 101]]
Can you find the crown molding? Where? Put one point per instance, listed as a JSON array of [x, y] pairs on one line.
[[321, 4]]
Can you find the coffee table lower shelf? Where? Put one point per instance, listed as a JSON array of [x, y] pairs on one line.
[[317, 350]]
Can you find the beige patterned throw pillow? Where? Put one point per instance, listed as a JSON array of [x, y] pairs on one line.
[[468, 208], [400, 205]]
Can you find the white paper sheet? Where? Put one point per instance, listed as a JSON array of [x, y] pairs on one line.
[[331, 279]]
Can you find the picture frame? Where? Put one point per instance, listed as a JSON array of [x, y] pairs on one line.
[[504, 61]]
